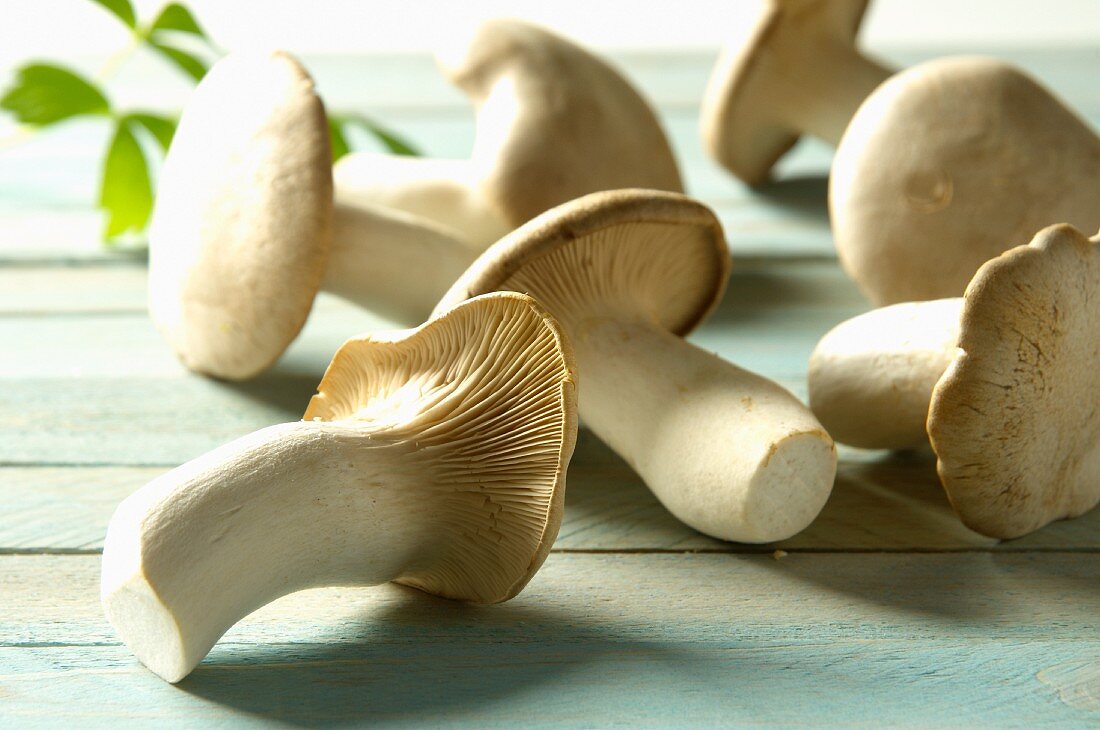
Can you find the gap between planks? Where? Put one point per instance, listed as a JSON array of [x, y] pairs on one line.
[[779, 553]]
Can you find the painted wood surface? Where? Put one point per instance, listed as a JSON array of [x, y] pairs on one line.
[[596, 640], [94, 374], [886, 611], [880, 502], [47, 183]]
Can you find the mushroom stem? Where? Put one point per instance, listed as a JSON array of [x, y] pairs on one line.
[[730, 453], [824, 96], [871, 377], [391, 262], [183, 558], [442, 191]]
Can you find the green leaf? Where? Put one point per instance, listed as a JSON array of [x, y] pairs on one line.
[[339, 142], [185, 61], [44, 94], [162, 128], [121, 9], [390, 140], [178, 18], [125, 193]]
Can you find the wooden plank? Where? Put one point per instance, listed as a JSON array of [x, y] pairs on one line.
[[879, 503], [106, 390], [775, 342], [107, 387], [145, 421], [848, 640], [787, 219], [48, 183], [389, 83], [29, 290], [515, 676], [755, 284]]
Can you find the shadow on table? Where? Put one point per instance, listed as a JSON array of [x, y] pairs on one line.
[[900, 545], [428, 659], [803, 197], [286, 389]]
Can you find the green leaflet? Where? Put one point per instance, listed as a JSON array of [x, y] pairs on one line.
[[186, 62], [44, 94], [340, 123], [337, 139], [178, 18], [121, 9], [162, 128], [125, 193]]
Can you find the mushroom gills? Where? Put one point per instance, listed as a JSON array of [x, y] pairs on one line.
[[627, 273], [1001, 383], [435, 460]]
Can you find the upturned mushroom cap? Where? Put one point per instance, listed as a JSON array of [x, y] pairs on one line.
[[240, 236], [1015, 420], [946, 165], [488, 393], [434, 457], [756, 82], [634, 253], [626, 272], [554, 121]]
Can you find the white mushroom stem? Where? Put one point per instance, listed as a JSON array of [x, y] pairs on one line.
[[871, 377], [392, 262], [823, 97], [285, 508], [730, 453], [442, 191]]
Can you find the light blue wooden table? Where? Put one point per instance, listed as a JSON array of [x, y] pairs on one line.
[[885, 612]]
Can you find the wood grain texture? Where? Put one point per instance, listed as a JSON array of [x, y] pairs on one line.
[[104, 384], [48, 183], [885, 612], [828, 640], [120, 288], [879, 503]]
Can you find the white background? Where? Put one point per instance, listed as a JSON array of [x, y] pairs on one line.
[[63, 29]]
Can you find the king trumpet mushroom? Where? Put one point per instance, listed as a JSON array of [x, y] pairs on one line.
[[246, 230], [794, 70], [627, 273], [554, 122], [1002, 381], [948, 164], [433, 457]]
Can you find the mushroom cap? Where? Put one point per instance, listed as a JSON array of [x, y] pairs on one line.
[[554, 121], [632, 253], [241, 232], [486, 393], [739, 120], [1014, 420], [946, 165]]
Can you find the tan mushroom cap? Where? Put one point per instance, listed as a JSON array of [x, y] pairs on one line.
[[241, 232], [563, 122], [658, 255], [1015, 419], [741, 120], [948, 164], [488, 394]]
